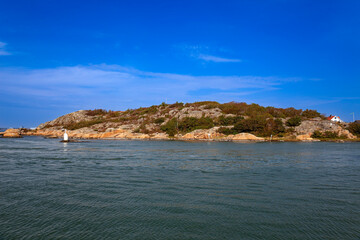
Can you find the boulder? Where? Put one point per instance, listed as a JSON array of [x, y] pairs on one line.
[[245, 137], [12, 133], [306, 138], [160, 136]]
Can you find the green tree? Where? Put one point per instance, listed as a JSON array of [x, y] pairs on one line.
[[310, 113], [252, 124], [226, 121], [354, 128], [294, 121], [317, 134], [189, 124], [170, 127]]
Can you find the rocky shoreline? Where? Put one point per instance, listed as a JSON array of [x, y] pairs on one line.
[[202, 135], [197, 135], [199, 121]]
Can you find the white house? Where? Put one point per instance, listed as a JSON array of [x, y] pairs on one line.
[[334, 118]]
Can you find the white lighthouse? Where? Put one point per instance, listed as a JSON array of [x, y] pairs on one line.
[[66, 137]]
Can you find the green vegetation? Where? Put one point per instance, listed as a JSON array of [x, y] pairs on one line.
[[189, 124], [170, 127], [249, 118], [227, 131], [142, 129], [255, 109], [257, 125], [226, 121], [236, 108], [159, 120], [177, 105], [112, 114], [294, 121], [207, 104], [83, 124], [186, 124], [310, 114], [96, 112], [327, 135], [150, 110], [354, 128]]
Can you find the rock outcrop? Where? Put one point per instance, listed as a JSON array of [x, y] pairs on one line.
[[246, 137], [71, 118], [306, 138], [307, 127], [12, 133]]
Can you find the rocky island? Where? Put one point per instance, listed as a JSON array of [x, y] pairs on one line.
[[200, 121]]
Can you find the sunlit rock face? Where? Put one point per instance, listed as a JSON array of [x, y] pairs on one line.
[[12, 133]]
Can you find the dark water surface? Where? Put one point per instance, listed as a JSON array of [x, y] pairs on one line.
[[178, 190]]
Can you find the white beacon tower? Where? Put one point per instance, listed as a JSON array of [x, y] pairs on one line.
[[66, 137]]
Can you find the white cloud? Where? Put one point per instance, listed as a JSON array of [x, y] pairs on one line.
[[210, 58], [114, 86], [205, 53], [3, 52]]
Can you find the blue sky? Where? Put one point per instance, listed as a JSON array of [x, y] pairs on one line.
[[61, 56]]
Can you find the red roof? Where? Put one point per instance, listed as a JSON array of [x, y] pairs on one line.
[[331, 117]]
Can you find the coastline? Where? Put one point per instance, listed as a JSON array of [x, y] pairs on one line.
[[127, 135]]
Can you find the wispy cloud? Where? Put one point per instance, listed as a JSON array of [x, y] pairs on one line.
[[3, 52], [206, 53], [115, 86], [210, 58]]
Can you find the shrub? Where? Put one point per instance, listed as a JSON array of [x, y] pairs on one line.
[[310, 113], [83, 124], [317, 134], [275, 112], [111, 114], [96, 112], [141, 129], [159, 120], [233, 108], [254, 124], [226, 121], [177, 105], [207, 103], [273, 127], [290, 130], [327, 135], [170, 127], [226, 131], [150, 110], [255, 110], [211, 105], [291, 112], [279, 126], [189, 124], [124, 119], [354, 128], [294, 121]]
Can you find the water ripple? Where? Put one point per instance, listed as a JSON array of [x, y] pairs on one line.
[[178, 190]]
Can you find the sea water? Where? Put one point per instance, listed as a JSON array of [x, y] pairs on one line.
[[102, 189]]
